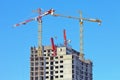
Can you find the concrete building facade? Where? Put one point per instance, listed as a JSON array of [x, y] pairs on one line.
[[66, 65]]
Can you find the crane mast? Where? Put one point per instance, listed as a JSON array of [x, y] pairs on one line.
[[40, 38], [80, 19], [81, 37]]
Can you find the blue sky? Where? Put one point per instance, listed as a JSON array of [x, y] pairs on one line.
[[101, 43]]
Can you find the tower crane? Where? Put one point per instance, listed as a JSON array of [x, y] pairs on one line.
[[81, 20], [39, 20]]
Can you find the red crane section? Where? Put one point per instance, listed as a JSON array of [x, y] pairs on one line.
[[37, 18], [53, 47], [65, 38]]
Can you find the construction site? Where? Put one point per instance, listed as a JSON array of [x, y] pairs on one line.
[[59, 62]]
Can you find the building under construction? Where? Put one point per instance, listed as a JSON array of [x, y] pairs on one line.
[[58, 62], [66, 65]]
